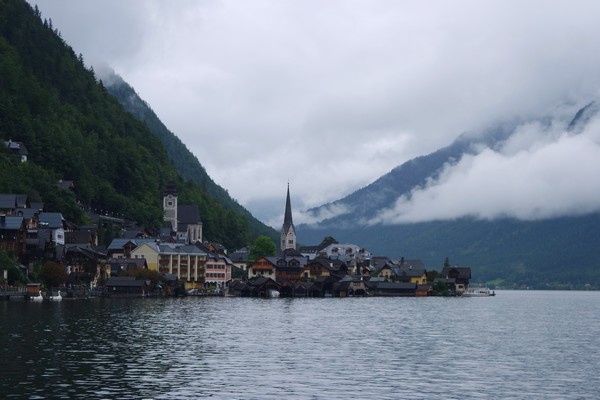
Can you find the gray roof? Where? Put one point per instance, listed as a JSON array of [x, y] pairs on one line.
[[188, 214], [8, 201], [127, 281], [120, 242], [11, 223], [50, 220]]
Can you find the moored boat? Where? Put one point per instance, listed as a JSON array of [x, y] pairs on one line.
[[478, 292]]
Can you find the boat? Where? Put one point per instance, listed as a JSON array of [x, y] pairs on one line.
[[272, 293], [478, 292], [39, 297], [56, 298]]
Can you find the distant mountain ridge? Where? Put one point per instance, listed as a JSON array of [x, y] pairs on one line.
[[558, 252]]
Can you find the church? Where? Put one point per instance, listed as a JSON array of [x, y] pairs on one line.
[[184, 220], [288, 231]]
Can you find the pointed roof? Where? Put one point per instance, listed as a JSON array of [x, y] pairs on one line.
[[287, 220]]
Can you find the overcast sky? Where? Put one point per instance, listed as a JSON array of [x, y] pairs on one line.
[[330, 95]]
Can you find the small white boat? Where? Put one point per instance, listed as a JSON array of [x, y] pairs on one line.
[[58, 297], [478, 292], [272, 293], [39, 297]]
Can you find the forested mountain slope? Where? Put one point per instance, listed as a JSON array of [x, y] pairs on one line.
[[75, 130], [186, 164]]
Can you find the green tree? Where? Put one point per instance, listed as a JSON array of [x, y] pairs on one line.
[[52, 274], [263, 246], [440, 289]]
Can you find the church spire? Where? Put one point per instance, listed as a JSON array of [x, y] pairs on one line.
[[288, 231]]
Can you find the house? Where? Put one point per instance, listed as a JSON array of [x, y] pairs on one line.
[[346, 252], [404, 289], [218, 271], [424, 290], [116, 266], [126, 287], [239, 259], [412, 273], [310, 252], [263, 267], [260, 287], [122, 247], [148, 251], [84, 259], [13, 234], [290, 267], [54, 223], [457, 278], [323, 267], [350, 285], [17, 148]]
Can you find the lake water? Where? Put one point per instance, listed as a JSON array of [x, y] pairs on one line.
[[517, 345]]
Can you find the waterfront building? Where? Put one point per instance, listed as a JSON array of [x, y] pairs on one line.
[[186, 262]]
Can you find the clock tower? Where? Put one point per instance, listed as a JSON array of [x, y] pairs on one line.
[[170, 205]]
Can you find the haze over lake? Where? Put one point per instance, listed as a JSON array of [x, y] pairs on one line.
[[519, 344]]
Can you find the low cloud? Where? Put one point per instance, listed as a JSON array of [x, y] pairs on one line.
[[541, 171], [331, 95]]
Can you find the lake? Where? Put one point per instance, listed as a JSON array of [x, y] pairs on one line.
[[517, 345]]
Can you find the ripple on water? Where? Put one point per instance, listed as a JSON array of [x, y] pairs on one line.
[[517, 345]]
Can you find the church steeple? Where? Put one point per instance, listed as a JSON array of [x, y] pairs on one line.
[[288, 231]]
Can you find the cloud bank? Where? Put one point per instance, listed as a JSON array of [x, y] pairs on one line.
[[541, 171]]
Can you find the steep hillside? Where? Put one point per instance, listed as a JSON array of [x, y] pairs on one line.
[[75, 130], [182, 159], [556, 252]]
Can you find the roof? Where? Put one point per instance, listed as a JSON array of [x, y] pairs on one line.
[[457, 272], [16, 147], [127, 281], [118, 243], [414, 263], [288, 223], [188, 214], [8, 201], [396, 286], [126, 263], [50, 220], [11, 223], [88, 252], [239, 256], [78, 237]]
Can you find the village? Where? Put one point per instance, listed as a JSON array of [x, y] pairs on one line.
[[177, 261]]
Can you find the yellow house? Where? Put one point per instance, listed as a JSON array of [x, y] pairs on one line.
[[148, 251]]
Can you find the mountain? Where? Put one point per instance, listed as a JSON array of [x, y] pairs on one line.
[[186, 164], [74, 129], [559, 252]]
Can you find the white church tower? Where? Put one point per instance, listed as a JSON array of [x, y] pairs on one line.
[[170, 205], [288, 232]]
